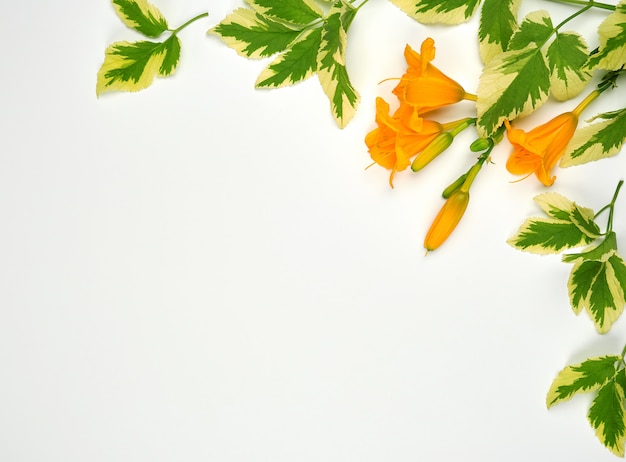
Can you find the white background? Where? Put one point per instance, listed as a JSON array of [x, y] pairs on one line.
[[206, 272]]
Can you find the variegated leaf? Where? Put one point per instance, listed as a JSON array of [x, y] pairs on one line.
[[612, 32], [597, 141], [141, 16], [548, 236], [567, 55], [498, 21], [331, 64], [301, 12], [253, 35], [133, 66], [298, 63], [607, 416], [438, 12]]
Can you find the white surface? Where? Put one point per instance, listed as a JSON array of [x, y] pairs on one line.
[[205, 272]]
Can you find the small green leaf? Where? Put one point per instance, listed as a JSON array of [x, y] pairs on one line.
[[567, 55], [548, 236], [587, 376], [536, 28], [331, 64], [583, 218], [612, 32], [513, 84], [438, 12], [141, 16], [606, 416], [298, 63], [300, 12], [598, 286], [597, 252], [559, 207], [133, 66], [498, 21], [253, 35], [597, 141]]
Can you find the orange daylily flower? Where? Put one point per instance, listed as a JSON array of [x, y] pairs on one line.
[[395, 141], [538, 150], [423, 87]]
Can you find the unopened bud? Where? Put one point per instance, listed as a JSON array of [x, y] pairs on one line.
[[447, 219], [452, 187], [436, 147], [480, 145]]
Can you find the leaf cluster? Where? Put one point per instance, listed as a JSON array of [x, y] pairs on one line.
[[304, 37], [597, 282]]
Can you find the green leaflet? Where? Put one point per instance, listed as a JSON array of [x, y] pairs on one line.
[[606, 416], [298, 63], [567, 55], [332, 72], [560, 207], [305, 41], [438, 12], [512, 84], [536, 28], [612, 32], [606, 376], [141, 16], [498, 21], [253, 35], [597, 141], [587, 376], [548, 236], [133, 66], [300, 12]]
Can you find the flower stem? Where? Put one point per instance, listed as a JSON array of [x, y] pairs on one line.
[[609, 225], [586, 102], [195, 18], [591, 3]]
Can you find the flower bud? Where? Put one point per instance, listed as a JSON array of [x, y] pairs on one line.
[[452, 187], [480, 145], [436, 147], [447, 219]]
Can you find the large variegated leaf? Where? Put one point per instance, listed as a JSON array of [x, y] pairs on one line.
[[560, 207], [141, 16], [606, 415], [133, 66], [587, 376], [298, 63], [301, 12], [548, 236], [498, 21], [438, 12], [567, 55], [612, 53], [597, 141], [513, 84], [331, 63], [254, 36]]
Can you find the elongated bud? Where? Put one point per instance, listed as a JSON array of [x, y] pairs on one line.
[[447, 219], [436, 147], [452, 187]]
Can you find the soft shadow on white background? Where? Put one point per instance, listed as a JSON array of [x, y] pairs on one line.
[[206, 272]]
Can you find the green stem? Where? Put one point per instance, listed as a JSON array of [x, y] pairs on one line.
[[591, 3], [195, 18], [609, 225]]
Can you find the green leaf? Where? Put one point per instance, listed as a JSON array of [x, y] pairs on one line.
[[567, 55], [253, 35], [331, 63], [597, 141], [583, 218], [559, 206], [438, 12], [300, 12], [606, 416], [598, 286], [612, 32], [498, 21], [587, 376], [298, 63], [595, 252], [133, 66], [548, 236], [141, 16], [513, 84], [536, 28]]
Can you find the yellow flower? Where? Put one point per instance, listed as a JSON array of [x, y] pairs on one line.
[[395, 141], [423, 87], [538, 150]]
